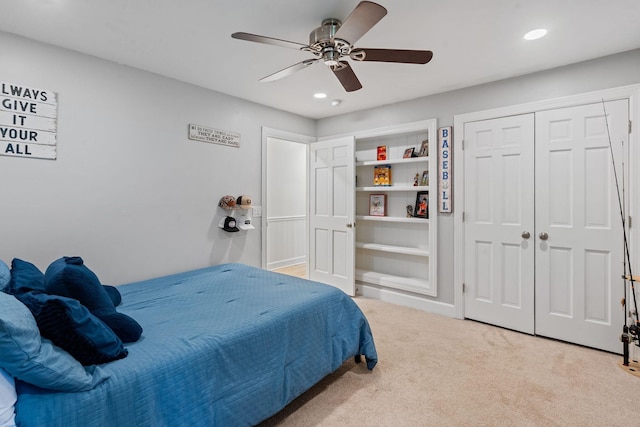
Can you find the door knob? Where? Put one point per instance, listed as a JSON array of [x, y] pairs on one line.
[[349, 225], [525, 235], [544, 236]]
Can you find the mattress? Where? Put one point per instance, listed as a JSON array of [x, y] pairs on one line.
[[227, 345]]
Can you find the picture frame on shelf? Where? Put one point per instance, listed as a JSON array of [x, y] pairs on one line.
[[424, 149], [378, 205], [408, 153], [421, 209], [381, 152], [425, 179]]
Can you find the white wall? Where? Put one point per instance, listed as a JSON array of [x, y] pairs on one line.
[[612, 71], [129, 192], [287, 203], [286, 178], [132, 195]]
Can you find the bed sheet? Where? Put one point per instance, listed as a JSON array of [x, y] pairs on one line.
[[228, 345]]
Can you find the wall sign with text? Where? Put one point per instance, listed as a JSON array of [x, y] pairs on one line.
[[445, 194], [214, 136], [28, 121]]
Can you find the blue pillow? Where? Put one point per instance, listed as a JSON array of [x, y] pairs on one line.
[[70, 326], [32, 359], [5, 275], [25, 277], [69, 277]]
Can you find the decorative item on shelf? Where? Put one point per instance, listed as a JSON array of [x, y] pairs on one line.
[[228, 223], [243, 202], [416, 179], [382, 176], [378, 204], [425, 178], [422, 205], [227, 202], [409, 211], [382, 152], [424, 149], [409, 153]]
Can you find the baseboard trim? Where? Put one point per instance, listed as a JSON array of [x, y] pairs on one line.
[[286, 263], [399, 298]]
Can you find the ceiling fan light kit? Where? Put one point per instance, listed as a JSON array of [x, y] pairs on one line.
[[334, 41]]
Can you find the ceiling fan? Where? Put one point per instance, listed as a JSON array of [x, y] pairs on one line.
[[334, 40]]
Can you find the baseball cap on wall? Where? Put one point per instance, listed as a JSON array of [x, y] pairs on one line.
[[227, 202], [230, 224], [243, 202]]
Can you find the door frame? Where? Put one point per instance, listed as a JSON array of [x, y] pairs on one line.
[[631, 92], [287, 136]]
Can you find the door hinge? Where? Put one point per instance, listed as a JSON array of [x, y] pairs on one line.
[[629, 126], [629, 222], [463, 216], [462, 144], [464, 288]]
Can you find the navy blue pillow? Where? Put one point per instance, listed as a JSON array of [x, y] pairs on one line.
[[25, 277], [69, 277], [70, 326]]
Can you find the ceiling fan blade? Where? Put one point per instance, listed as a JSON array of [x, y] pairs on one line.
[[392, 55], [268, 40], [289, 70], [347, 77], [362, 19]]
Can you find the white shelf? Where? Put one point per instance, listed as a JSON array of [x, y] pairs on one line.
[[395, 188], [393, 161], [393, 249], [405, 283], [392, 219]]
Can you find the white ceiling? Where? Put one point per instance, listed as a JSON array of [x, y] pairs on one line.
[[190, 40]]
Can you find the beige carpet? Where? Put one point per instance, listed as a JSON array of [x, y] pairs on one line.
[[437, 371]]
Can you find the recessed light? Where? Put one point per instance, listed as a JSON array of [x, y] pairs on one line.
[[320, 95], [535, 34]]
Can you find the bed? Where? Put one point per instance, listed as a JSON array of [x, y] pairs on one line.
[[228, 345]]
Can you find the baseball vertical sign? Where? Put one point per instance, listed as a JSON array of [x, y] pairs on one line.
[[445, 201]]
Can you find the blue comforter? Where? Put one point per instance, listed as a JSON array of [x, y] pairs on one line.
[[228, 345]]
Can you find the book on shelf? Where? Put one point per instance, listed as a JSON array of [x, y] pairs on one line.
[[382, 152], [382, 175]]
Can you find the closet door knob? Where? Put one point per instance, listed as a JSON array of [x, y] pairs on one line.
[[526, 235], [544, 236]]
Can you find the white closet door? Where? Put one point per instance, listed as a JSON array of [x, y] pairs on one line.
[[332, 213], [579, 262], [499, 212]]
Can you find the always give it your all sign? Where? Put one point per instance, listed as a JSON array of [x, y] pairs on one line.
[[28, 121]]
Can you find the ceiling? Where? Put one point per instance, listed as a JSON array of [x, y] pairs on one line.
[[190, 40]]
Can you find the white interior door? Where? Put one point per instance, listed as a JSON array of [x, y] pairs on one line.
[[332, 213], [579, 257], [499, 221], [564, 281]]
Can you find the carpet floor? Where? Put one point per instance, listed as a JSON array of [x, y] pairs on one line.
[[438, 371]]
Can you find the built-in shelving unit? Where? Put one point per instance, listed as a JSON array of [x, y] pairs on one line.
[[397, 250]]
